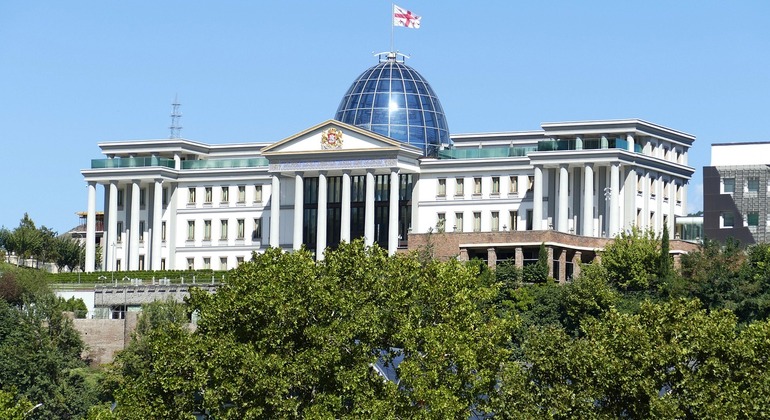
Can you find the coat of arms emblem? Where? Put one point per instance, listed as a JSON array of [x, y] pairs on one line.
[[331, 139]]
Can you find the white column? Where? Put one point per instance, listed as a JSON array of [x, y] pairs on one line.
[[629, 204], [563, 221], [321, 224], [671, 207], [588, 201], [646, 202], [91, 228], [393, 213], [630, 141], [299, 209], [133, 235], [275, 212], [369, 212], [112, 228], [537, 200], [659, 205], [157, 224], [345, 216], [614, 204]]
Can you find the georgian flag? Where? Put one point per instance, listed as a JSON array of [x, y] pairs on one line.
[[405, 18]]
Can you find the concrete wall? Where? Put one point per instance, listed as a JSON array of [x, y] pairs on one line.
[[105, 337]]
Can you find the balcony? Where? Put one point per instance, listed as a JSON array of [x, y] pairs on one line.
[[585, 144], [132, 162], [484, 153], [224, 163]]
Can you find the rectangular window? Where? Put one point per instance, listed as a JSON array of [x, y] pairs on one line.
[[256, 234], [225, 195], [258, 194], [476, 186], [441, 187], [458, 222], [165, 197], [679, 189], [728, 219], [208, 195], [477, 221], [162, 263], [223, 229], [142, 197], [652, 187], [495, 221], [121, 197], [513, 220], [752, 185], [239, 260], [495, 185], [241, 228], [514, 185], [223, 263], [162, 231], [241, 194], [191, 195], [207, 230], [639, 184], [141, 230], [206, 263], [120, 232], [752, 219], [191, 230], [191, 263], [665, 191], [441, 222], [460, 187], [530, 183]]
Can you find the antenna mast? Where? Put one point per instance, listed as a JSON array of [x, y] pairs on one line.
[[175, 128]]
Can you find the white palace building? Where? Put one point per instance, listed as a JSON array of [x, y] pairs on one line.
[[385, 169]]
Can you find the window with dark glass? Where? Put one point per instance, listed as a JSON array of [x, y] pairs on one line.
[[752, 185], [728, 185]]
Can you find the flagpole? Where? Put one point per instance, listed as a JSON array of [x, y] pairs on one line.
[[392, 8]]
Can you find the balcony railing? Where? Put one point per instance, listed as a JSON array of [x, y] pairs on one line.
[[132, 162], [224, 163], [486, 152], [585, 144], [142, 162]]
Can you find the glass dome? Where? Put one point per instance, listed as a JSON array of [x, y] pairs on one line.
[[394, 100]]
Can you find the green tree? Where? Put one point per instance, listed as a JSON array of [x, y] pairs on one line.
[[631, 260], [40, 351], [538, 272], [12, 406], [68, 253], [664, 260], [672, 360], [26, 240], [289, 337]]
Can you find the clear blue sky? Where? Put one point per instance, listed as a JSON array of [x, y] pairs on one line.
[[75, 73]]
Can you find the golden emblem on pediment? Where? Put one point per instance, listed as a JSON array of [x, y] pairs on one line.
[[331, 139]]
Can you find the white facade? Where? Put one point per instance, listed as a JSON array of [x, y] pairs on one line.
[[178, 204]]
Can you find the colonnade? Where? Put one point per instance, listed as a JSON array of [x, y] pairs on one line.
[[321, 227]]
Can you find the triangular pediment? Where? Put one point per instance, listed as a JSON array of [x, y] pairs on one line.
[[332, 137]]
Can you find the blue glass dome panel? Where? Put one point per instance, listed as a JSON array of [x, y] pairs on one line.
[[394, 100]]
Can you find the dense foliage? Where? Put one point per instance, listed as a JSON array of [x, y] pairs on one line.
[[287, 337], [365, 335], [40, 352]]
